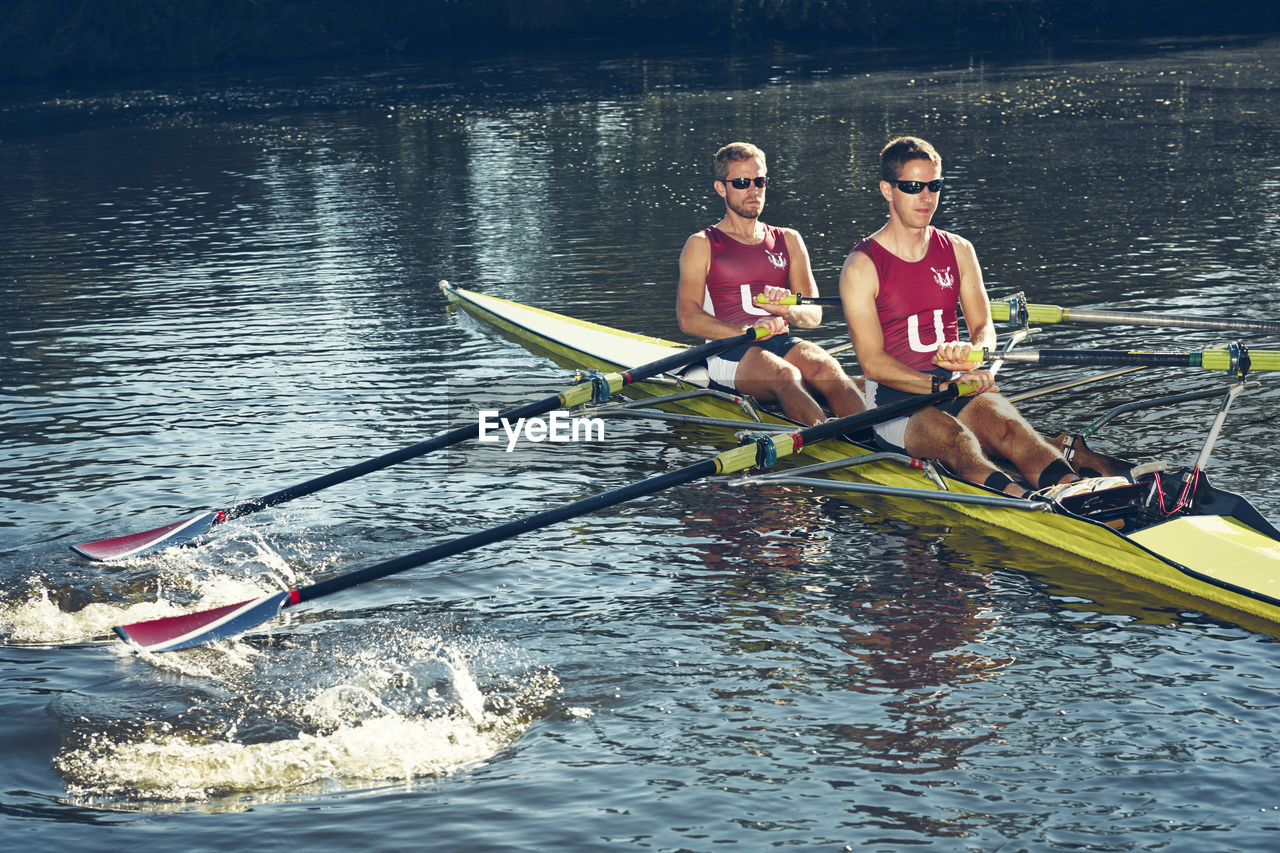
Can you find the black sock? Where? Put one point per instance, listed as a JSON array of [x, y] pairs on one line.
[[1053, 472], [998, 480]]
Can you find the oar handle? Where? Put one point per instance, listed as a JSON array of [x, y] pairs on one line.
[[797, 299]]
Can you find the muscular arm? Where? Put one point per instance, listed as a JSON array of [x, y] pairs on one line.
[[800, 281], [974, 305]]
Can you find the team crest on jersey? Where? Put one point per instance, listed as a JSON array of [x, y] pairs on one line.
[[944, 277], [778, 259]]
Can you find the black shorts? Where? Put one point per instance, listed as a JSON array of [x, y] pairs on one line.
[[724, 367], [890, 436]]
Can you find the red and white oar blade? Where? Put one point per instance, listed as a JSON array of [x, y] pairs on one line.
[[171, 633], [150, 541]]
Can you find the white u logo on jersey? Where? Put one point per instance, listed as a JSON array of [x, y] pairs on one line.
[[748, 303], [913, 333]]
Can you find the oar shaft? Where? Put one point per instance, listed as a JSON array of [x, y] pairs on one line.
[[570, 397], [1209, 359], [193, 629], [736, 459], [422, 448], [147, 542], [510, 529], [1001, 311]]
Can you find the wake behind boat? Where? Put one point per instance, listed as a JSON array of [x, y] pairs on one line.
[[1168, 531]]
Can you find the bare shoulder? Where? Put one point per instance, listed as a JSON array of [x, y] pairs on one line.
[[793, 238], [698, 237], [858, 262], [962, 245], [697, 245]]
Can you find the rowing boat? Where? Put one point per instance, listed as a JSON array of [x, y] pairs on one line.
[[1216, 554]]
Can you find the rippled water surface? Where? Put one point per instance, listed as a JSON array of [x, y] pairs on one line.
[[217, 286]]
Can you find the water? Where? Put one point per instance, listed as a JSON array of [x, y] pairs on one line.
[[217, 286]]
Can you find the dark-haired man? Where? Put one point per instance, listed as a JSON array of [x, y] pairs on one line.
[[899, 288], [724, 268]]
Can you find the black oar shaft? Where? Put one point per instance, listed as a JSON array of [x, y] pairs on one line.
[[577, 394], [1001, 311], [509, 529], [150, 541], [445, 439], [1117, 358], [733, 460], [1236, 360]]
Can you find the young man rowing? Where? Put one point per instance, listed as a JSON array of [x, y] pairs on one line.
[[722, 270], [899, 289]]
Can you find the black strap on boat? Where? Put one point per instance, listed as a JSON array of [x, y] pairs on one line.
[[1239, 355], [766, 450], [599, 387], [1019, 316], [1053, 472]]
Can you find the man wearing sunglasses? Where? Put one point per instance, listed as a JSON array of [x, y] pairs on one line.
[[724, 268], [899, 288]]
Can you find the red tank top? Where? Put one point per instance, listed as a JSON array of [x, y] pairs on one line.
[[917, 300], [738, 272]]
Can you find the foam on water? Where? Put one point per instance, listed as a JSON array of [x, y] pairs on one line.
[[384, 747], [383, 723], [177, 581]]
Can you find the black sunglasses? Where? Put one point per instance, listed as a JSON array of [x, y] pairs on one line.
[[742, 183], [914, 187]]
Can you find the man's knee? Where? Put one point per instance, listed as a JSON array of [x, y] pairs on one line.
[[815, 364], [766, 367]]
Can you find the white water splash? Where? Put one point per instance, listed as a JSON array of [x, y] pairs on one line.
[[39, 620], [184, 577], [379, 725], [383, 748]]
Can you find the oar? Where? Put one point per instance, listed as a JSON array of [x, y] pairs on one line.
[[1003, 309], [150, 541], [1006, 309], [1072, 383], [195, 629], [1236, 359]]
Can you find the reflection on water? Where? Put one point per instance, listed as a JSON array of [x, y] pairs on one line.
[[217, 287]]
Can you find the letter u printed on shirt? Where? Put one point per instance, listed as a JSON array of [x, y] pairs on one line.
[[913, 332], [748, 302]]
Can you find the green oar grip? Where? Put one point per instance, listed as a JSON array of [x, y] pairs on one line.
[[1002, 311], [1220, 359], [790, 299]]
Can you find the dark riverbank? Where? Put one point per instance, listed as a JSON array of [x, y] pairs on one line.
[[61, 38]]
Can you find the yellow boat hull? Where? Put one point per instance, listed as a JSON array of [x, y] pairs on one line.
[[1215, 563]]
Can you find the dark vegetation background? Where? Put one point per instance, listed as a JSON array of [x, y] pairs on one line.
[[51, 38]]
